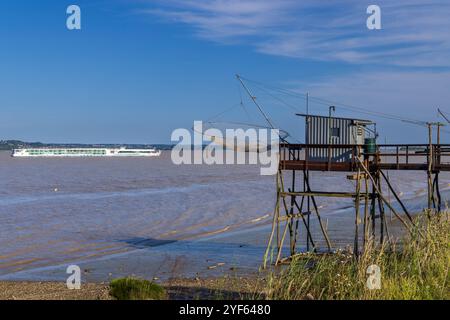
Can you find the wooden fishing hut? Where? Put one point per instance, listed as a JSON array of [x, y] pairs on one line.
[[348, 146]]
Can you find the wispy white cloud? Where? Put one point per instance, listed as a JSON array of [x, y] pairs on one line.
[[396, 92], [415, 33], [225, 20], [413, 95]]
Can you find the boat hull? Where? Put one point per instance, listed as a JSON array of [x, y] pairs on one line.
[[83, 153]]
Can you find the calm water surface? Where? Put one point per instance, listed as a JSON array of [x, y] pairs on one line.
[[127, 211]]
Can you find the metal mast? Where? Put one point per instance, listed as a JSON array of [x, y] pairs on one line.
[[254, 101]]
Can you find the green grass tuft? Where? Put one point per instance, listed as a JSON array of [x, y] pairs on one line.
[[417, 268], [136, 289]]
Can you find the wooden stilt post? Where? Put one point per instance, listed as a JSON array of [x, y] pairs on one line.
[[438, 192], [280, 247], [373, 202], [280, 183], [289, 219], [382, 198], [308, 232], [275, 220], [438, 162], [381, 209], [366, 213], [373, 210], [357, 200], [430, 165], [396, 196], [357, 204], [308, 207], [316, 209], [292, 231], [433, 188]]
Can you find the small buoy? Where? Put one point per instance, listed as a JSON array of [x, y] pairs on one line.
[[56, 189]]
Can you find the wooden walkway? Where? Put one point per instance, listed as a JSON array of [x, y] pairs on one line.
[[387, 157]]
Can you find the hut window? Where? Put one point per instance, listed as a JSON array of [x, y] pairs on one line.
[[335, 133]]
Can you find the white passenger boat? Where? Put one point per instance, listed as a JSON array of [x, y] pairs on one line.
[[85, 152]]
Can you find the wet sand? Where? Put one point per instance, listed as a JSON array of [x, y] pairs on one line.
[[237, 254]]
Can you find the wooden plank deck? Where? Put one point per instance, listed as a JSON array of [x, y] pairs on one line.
[[387, 157], [351, 167]]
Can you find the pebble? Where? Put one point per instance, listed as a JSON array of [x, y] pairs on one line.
[[309, 296]]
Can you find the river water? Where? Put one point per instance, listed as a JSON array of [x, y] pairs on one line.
[[151, 218]]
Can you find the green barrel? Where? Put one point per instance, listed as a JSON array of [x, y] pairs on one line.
[[370, 145]]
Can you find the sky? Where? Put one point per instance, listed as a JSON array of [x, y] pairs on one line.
[[138, 69]]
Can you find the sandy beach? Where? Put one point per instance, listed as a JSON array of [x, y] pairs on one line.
[[177, 289], [22, 290]]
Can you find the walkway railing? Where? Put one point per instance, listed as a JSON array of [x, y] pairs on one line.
[[333, 157]]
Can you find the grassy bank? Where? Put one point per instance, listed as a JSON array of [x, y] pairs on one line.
[[415, 268]]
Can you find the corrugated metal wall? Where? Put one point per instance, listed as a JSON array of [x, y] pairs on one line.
[[344, 131]]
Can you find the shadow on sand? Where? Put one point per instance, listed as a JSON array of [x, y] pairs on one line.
[[142, 243]]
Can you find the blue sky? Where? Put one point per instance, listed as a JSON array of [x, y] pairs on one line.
[[140, 68]]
